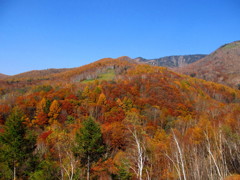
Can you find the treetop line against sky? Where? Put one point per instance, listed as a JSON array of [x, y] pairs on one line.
[[60, 33]]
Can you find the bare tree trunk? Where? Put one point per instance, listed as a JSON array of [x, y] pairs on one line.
[[181, 156], [197, 174], [140, 154], [176, 166], [70, 170], [212, 157]]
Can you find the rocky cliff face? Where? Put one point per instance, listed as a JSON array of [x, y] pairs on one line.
[[172, 61]]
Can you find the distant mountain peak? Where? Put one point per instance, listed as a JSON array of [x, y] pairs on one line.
[[171, 61]]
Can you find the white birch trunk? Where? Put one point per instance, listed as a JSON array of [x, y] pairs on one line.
[[181, 156]]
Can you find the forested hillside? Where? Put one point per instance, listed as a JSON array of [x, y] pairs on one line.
[[3, 76], [221, 66], [34, 75], [116, 119]]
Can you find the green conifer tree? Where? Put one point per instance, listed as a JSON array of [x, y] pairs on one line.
[[17, 146], [89, 144]]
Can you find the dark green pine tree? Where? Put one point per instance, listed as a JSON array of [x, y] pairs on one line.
[[89, 144], [17, 146]]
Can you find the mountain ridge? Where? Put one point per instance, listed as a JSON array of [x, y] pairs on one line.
[[221, 66], [171, 61], [2, 76], [36, 74], [131, 103], [167, 61]]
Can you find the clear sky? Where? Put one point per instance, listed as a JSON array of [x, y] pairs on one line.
[[41, 34]]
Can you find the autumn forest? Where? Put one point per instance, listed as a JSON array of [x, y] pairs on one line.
[[116, 119]]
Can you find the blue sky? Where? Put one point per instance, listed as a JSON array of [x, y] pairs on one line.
[[41, 34]]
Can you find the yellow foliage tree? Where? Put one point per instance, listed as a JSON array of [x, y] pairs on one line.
[[54, 111], [42, 105], [41, 117], [101, 99]]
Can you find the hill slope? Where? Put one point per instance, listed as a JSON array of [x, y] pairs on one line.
[[146, 114], [74, 74], [222, 66], [36, 74], [2, 76], [171, 61]]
